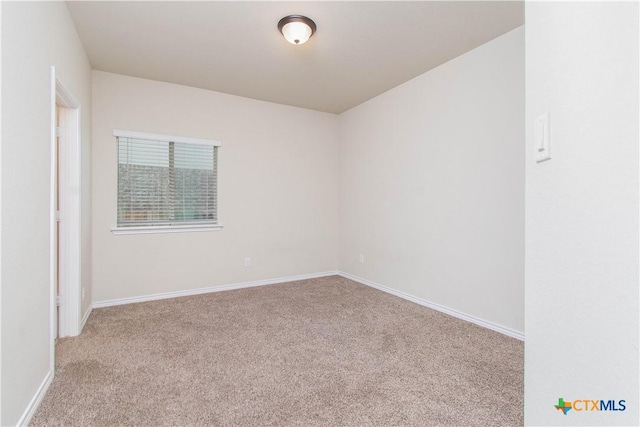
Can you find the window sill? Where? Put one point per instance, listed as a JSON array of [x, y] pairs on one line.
[[160, 229]]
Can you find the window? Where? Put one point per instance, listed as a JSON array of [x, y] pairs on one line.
[[166, 183]]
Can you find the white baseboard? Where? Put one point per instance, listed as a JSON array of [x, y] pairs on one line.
[[198, 291], [25, 419], [85, 318], [455, 313]]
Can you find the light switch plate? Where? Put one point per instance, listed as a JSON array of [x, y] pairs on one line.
[[542, 138]]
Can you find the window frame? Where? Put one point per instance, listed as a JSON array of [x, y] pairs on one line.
[[170, 228]]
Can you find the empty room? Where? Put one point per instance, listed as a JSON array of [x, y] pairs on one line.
[[320, 213]]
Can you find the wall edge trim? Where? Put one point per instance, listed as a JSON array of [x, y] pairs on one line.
[[438, 307], [85, 318], [35, 402], [210, 289]]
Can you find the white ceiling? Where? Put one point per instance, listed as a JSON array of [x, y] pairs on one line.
[[360, 49]]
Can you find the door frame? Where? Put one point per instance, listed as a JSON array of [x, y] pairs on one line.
[[69, 186]]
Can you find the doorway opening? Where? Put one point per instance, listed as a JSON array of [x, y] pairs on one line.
[[65, 213]]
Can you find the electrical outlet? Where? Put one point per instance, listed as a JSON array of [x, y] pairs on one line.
[[247, 262], [83, 294], [361, 259]]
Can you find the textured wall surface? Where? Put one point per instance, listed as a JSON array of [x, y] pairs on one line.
[[432, 185], [277, 190], [35, 37], [582, 212]]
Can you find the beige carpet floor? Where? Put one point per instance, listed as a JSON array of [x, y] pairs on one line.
[[321, 352]]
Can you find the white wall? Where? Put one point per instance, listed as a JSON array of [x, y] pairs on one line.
[[278, 177], [35, 36], [432, 185], [582, 211]]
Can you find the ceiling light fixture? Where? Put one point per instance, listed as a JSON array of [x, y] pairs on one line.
[[296, 28]]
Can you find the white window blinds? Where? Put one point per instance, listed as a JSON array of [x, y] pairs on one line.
[[165, 180]]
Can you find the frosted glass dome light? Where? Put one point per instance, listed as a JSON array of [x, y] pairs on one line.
[[296, 32], [296, 29]]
